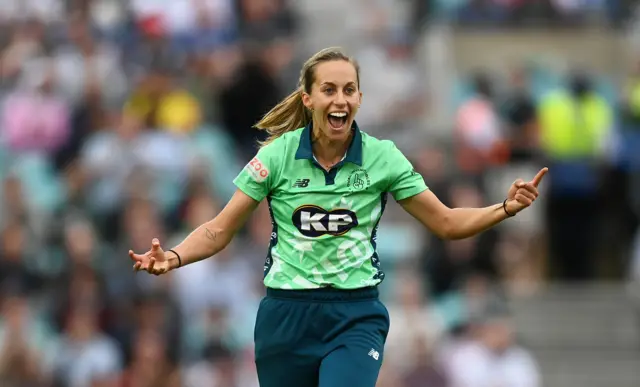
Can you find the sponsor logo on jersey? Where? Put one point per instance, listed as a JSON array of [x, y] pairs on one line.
[[257, 169], [301, 183], [314, 221], [358, 180]]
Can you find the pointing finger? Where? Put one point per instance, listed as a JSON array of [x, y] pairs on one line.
[[538, 178], [155, 244]]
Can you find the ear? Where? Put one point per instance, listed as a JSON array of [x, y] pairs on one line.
[[360, 101], [306, 100]]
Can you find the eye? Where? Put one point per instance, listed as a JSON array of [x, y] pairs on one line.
[[328, 90], [350, 90]]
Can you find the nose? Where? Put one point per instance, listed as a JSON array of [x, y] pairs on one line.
[[340, 100]]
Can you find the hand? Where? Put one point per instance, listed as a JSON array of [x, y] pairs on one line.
[[153, 261], [521, 194]]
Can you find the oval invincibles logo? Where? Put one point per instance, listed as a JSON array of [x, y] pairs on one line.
[[314, 221]]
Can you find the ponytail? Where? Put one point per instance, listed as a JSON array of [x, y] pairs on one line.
[[288, 115], [291, 114]]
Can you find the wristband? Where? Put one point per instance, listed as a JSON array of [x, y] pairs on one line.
[[178, 256], [504, 207]]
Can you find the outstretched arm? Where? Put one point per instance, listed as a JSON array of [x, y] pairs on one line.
[[205, 241], [459, 223], [211, 237]]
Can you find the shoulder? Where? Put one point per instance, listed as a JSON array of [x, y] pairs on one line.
[[374, 143], [286, 142], [272, 156]]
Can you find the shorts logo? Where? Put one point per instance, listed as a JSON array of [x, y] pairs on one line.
[[313, 221], [358, 180], [257, 170]]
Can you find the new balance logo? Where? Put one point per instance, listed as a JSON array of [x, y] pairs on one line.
[[301, 183], [374, 354]]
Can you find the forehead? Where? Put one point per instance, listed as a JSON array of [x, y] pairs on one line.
[[339, 72]]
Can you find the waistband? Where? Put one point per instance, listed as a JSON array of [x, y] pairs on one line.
[[326, 294]]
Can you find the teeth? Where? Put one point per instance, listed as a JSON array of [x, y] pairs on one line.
[[338, 115]]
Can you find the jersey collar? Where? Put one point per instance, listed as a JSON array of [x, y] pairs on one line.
[[354, 153]]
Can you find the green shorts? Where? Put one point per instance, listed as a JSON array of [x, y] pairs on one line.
[[320, 338]]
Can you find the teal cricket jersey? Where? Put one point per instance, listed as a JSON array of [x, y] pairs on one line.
[[325, 223]]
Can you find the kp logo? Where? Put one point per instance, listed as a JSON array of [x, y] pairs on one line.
[[358, 180], [313, 221]]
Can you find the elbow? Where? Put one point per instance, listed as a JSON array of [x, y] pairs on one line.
[[448, 227], [445, 227]]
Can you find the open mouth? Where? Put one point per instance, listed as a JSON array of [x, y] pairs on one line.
[[338, 120]]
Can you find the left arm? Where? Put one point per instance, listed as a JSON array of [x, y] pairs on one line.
[[452, 223], [409, 189], [460, 223]]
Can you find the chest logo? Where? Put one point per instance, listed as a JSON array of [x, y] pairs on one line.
[[313, 221], [358, 180]]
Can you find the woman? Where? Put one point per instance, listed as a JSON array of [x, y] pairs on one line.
[[321, 323]]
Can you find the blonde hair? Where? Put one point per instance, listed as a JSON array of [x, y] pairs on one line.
[[291, 114]]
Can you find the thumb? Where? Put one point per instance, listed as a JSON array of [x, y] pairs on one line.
[[519, 183]]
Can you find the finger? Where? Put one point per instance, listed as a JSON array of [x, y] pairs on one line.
[[523, 200], [538, 178], [528, 193], [155, 244], [151, 263], [135, 257], [529, 187], [519, 183]]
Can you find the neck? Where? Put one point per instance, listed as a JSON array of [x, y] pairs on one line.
[[329, 152]]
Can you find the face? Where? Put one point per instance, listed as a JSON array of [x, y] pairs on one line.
[[334, 99], [497, 334]]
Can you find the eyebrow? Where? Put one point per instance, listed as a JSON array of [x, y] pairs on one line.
[[334, 84]]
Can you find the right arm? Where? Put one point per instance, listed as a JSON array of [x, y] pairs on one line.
[[254, 183], [213, 236]]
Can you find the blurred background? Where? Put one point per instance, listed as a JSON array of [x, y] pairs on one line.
[[124, 120]]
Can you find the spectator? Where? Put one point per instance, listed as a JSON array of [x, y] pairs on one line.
[[88, 70], [245, 99], [45, 132], [414, 321], [25, 342], [150, 364], [219, 369], [84, 354], [574, 145], [15, 263], [479, 135], [490, 356]]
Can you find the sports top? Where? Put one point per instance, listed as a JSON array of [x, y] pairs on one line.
[[325, 222]]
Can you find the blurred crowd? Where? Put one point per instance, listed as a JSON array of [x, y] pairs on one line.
[[530, 12], [121, 121]]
